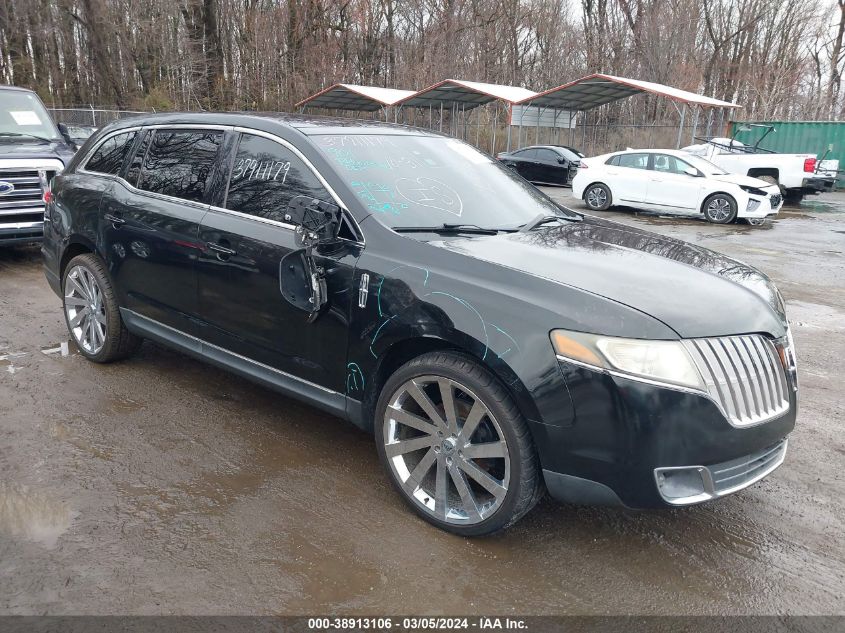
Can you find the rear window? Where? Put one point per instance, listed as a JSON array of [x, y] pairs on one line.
[[635, 161], [179, 163], [108, 157]]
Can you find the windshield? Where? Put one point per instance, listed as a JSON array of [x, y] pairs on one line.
[[23, 113], [424, 181], [705, 165]]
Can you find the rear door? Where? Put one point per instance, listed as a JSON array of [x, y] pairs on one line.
[[628, 177], [669, 186], [245, 237], [150, 223], [525, 162]]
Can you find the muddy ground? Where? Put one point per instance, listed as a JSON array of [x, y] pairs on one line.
[[163, 486]]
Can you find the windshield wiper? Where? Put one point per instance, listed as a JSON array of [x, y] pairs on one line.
[[545, 218], [450, 228], [16, 134]]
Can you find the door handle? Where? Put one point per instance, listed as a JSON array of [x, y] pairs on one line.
[[223, 252], [115, 220]]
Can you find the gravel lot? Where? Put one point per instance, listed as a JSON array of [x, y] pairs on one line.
[[164, 486]]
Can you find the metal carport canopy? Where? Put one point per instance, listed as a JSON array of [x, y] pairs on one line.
[[598, 89], [352, 97], [469, 94]]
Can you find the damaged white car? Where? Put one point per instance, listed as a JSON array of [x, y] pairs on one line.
[[671, 181]]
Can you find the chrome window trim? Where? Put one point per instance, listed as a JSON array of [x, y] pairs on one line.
[[210, 207], [235, 354]]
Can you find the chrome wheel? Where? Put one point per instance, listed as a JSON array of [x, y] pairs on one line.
[[596, 197], [85, 310], [719, 209], [447, 450]]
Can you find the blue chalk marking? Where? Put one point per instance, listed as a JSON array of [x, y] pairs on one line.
[[375, 336], [512, 340], [471, 307]]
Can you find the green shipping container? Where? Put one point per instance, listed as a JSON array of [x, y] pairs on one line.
[[800, 137]]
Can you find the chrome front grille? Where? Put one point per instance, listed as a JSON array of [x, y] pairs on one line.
[[744, 375], [743, 471], [22, 208]]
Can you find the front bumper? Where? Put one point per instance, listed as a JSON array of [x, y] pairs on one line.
[[625, 432]]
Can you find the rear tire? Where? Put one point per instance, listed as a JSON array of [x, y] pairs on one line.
[[473, 471], [720, 208], [597, 197], [92, 313]]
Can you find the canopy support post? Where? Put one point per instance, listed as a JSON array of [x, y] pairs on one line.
[[509, 124], [495, 124], [695, 125]]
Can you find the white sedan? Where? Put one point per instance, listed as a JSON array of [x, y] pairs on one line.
[[673, 181]]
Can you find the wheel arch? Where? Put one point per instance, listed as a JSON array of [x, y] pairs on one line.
[[717, 193], [765, 171], [403, 350], [78, 245]]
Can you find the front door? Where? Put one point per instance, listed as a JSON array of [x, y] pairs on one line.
[[549, 167], [245, 239], [150, 223], [670, 186]]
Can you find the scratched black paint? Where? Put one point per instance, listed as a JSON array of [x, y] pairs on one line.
[[494, 297]]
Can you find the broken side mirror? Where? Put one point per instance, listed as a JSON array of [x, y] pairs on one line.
[[301, 281], [316, 221], [66, 135]]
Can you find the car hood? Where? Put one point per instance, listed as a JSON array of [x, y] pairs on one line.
[[747, 181], [693, 290], [21, 148]]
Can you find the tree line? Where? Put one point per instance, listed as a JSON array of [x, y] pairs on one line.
[[779, 59]]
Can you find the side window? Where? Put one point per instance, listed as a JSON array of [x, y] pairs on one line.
[[108, 157], [613, 160], [528, 154], [547, 155], [669, 164], [266, 176], [635, 161], [179, 163]]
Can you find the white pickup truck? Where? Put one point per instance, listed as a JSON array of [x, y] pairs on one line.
[[796, 174]]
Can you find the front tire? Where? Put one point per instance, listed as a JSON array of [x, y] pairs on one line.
[[597, 197], [720, 208], [91, 311], [455, 445]]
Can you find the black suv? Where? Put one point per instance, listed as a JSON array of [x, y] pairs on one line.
[[495, 343]]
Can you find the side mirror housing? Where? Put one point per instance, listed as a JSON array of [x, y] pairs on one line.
[[316, 221], [66, 135], [561, 160]]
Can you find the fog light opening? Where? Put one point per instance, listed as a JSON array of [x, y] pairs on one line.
[[752, 205], [681, 483]]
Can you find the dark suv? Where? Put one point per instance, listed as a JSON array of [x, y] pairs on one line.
[[495, 343]]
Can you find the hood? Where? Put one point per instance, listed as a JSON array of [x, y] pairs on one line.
[[22, 148], [747, 181], [695, 291]]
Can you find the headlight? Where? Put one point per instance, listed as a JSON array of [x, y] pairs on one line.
[[663, 361], [754, 191]]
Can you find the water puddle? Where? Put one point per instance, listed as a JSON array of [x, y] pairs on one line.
[[33, 515]]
